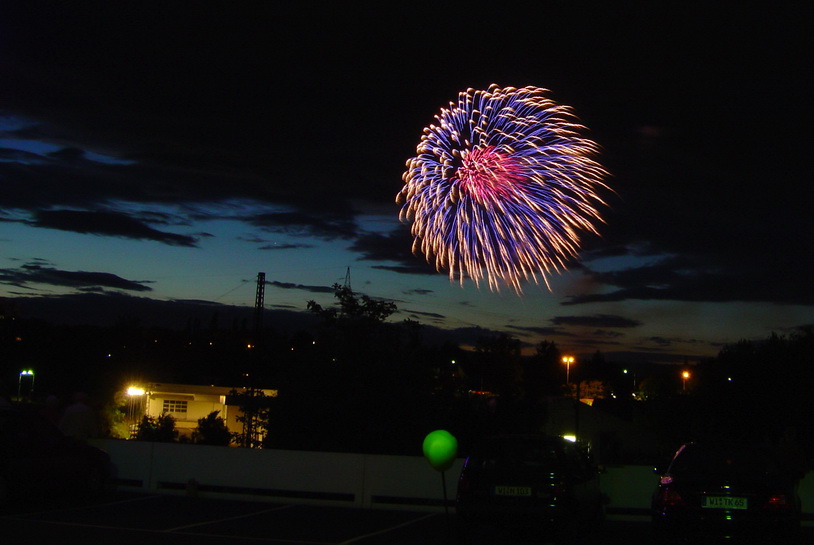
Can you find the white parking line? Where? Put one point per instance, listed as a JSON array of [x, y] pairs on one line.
[[148, 532], [216, 521], [390, 529]]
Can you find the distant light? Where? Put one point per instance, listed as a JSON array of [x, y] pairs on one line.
[[729, 379], [624, 371], [27, 372], [135, 391], [572, 438]]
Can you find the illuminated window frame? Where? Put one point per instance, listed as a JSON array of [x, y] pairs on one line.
[[175, 406]]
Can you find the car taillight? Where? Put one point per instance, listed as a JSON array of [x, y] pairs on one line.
[[667, 497], [777, 500]]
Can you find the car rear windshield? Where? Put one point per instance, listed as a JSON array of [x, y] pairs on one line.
[[695, 459], [516, 453]]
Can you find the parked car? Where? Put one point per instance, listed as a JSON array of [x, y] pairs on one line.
[[544, 487], [726, 491], [38, 462]]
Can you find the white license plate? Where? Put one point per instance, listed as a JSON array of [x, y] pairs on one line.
[[513, 490], [725, 502]]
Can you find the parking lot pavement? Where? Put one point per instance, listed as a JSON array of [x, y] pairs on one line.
[[139, 518], [126, 519]]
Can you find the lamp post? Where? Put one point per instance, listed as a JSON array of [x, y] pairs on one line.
[[28, 373], [568, 360], [684, 376], [134, 408]]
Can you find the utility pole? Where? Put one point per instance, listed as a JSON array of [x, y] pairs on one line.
[[347, 279], [258, 304], [250, 438]]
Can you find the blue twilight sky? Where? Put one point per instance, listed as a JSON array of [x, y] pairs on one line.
[[171, 152]]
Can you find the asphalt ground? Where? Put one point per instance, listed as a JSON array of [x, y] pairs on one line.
[[134, 518]]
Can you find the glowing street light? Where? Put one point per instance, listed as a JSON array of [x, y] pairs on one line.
[[27, 373], [134, 408], [684, 376], [568, 360]]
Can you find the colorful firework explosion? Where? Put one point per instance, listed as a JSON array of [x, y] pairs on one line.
[[501, 187]]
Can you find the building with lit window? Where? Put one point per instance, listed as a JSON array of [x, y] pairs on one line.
[[187, 403]]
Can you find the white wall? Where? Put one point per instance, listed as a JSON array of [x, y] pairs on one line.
[[335, 478], [294, 476]]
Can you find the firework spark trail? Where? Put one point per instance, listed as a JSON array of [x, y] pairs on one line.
[[501, 187]]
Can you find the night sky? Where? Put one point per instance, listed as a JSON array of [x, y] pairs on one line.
[[174, 151]]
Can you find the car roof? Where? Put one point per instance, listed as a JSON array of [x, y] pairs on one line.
[[528, 436]]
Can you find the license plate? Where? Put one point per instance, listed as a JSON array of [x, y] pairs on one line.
[[725, 502], [513, 490]]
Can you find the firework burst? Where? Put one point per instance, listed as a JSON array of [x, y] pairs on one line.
[[501, 187]]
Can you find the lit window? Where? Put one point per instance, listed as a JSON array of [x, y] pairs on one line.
[[175, 406]]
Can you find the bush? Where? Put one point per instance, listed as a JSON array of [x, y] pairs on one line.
[[161, 429], [212, 430]]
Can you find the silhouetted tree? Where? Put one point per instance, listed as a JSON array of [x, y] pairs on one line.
[[255, 413], [212, 430], [161, 429], [496, 365], [360, 390]]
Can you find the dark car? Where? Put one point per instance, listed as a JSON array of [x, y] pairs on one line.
[[37, 462], [713, 492], [543, 487]]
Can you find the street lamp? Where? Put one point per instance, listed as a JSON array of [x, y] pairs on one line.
[[568, 360], [134, 408], [28, 373], [684, 376]]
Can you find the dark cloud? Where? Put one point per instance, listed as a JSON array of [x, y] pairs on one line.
[[265, 244], [425, 314], [543, 331], [418, 291], [416, 268], [670, 341], [660, 341], [324, 226], [394, 247], [38, 273], [690, 278], [601, 333], [18, 156], [108, 224], [291, 286], [598, 320], [285, 246]]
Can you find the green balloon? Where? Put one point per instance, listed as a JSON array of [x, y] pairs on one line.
[[440, 449]]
